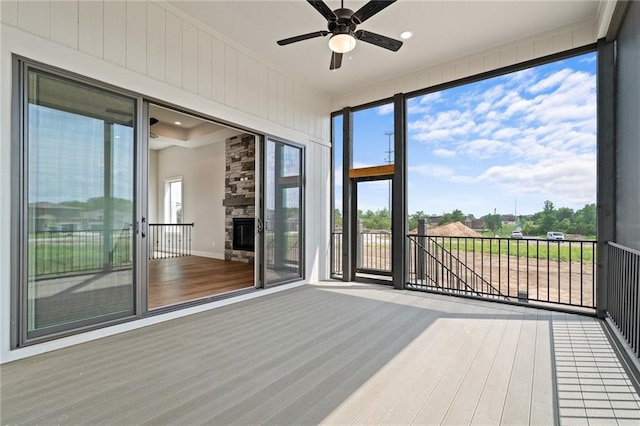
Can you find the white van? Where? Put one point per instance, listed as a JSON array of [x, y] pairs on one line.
[[555, 236]]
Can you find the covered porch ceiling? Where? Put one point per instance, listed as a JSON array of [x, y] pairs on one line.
[[442, 31]]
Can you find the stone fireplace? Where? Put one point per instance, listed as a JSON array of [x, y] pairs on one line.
[[240, 195]]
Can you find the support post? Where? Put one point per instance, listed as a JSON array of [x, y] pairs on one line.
[[399, 200], [348, 195], [606, 167]]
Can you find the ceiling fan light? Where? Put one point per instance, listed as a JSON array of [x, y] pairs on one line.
[[342, 43]]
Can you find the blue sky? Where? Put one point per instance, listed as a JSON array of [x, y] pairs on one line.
[[513, 140]]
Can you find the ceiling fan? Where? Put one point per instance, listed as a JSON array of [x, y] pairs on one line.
[[341, 24]]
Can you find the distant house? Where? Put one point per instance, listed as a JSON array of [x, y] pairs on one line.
[[474, 223], [509, 219], [55, 217]]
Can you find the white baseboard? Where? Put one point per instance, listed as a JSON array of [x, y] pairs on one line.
[[208, 254]]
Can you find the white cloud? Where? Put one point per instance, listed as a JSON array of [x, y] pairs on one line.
[[564, 178], [443, 126], [551, 81], [385, 109], [484, 148], [507, 133], [444, 153], [483, 107]]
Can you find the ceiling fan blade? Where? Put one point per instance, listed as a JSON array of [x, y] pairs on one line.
[[370, 9], [324, 10], [302, 37], [379, 40], [336, 61]]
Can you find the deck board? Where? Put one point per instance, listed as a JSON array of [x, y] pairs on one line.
[[517, 406], [332, 353]]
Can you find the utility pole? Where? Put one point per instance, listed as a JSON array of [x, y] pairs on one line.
[[389, 160]]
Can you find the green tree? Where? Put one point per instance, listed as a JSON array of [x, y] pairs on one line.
[[564, 213], [547, 219], [493, 222], [585, 220], [413, 219], [454, 216], [337, 218], [380, 219]]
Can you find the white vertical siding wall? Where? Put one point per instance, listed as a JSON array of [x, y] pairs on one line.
[[158, 41], [520, 51], [153, 49]]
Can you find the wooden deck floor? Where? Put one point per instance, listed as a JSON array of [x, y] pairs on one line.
[[180, 279], [334, 354]]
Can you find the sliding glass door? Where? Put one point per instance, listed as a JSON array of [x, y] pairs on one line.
[[77, 205], [283, 212]]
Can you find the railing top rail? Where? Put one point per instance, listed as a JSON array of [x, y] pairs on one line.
[[625, 248], [502, 238], [172, 224]]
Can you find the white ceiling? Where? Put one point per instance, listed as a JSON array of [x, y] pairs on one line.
[[442, 31], [192, 132]]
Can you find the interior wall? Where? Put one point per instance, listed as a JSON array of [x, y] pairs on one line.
[[628, 130], [202, 171]]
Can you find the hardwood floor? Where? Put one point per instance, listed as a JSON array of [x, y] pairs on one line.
[[180, 279]]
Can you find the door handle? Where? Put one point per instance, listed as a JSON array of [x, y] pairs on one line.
[[259, 225]]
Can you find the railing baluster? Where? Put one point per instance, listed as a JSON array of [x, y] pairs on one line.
[[623, 293], [167, 240]]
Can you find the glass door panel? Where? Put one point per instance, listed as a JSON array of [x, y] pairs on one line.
[[373, 228], [283, 212], [80, 205]]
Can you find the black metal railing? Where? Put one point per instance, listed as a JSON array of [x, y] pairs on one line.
[[433, 265], [169, 240], [527, 270], [67, 252], [623, 292], [374, 251]]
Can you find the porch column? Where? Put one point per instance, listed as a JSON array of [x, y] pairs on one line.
[[348, 188], [399, 197], [606, 167]]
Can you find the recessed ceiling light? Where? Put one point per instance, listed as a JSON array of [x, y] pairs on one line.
[[177, 123], [406, 35]]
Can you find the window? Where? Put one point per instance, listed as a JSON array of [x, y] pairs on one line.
[[75, 209], [507, 146], [284, 201], [173, 200], [336, 233]]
